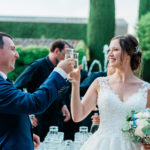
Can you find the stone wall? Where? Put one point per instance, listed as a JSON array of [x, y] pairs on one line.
[[24, 42]]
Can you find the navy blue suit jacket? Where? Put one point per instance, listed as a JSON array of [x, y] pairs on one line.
[[15, 105]]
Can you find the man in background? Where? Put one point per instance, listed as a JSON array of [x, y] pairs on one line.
[[31, 79]]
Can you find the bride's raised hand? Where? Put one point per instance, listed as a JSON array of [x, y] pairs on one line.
[[75, 76]]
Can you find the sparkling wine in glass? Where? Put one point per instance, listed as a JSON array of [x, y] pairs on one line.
[[76, 58]]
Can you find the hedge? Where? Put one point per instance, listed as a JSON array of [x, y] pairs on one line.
[[46, 30]]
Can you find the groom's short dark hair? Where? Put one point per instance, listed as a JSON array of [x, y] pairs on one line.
[[2, 34]]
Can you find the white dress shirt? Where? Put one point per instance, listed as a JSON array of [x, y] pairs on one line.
[[61, 72], [3, 75]]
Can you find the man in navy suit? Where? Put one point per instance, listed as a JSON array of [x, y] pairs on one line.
[[15, 105]]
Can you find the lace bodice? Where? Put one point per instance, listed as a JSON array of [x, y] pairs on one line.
[[113, 111]]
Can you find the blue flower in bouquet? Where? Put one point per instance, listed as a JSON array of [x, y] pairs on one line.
[[134, 123], [134, 117]]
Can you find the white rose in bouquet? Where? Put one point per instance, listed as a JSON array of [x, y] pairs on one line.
[[138, 131], [141, 122], [142, 115], [139, 115]]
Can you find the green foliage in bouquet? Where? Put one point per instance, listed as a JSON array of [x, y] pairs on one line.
[[146, 129], [129, 116]]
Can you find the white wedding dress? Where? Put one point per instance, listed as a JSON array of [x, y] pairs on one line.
[[112, 118]]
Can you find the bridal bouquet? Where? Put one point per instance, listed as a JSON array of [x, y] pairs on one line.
[[138, 126]]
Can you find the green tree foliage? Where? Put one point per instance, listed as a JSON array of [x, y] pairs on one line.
[[146, 65], [82, 49], [144, 7], [101, 27], [143, 32]]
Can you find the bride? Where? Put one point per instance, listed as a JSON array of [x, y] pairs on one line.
[[116, 95]]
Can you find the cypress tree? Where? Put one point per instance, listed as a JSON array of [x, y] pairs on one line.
[[144, 7], [101, 27]]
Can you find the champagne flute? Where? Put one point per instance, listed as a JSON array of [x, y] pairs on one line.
[[76, 56], [69, 53]]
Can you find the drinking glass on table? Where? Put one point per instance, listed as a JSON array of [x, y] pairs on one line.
[[68, 145], [83, 130], [53, 133]]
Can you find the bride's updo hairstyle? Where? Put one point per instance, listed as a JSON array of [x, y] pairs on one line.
[[130, 45]]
